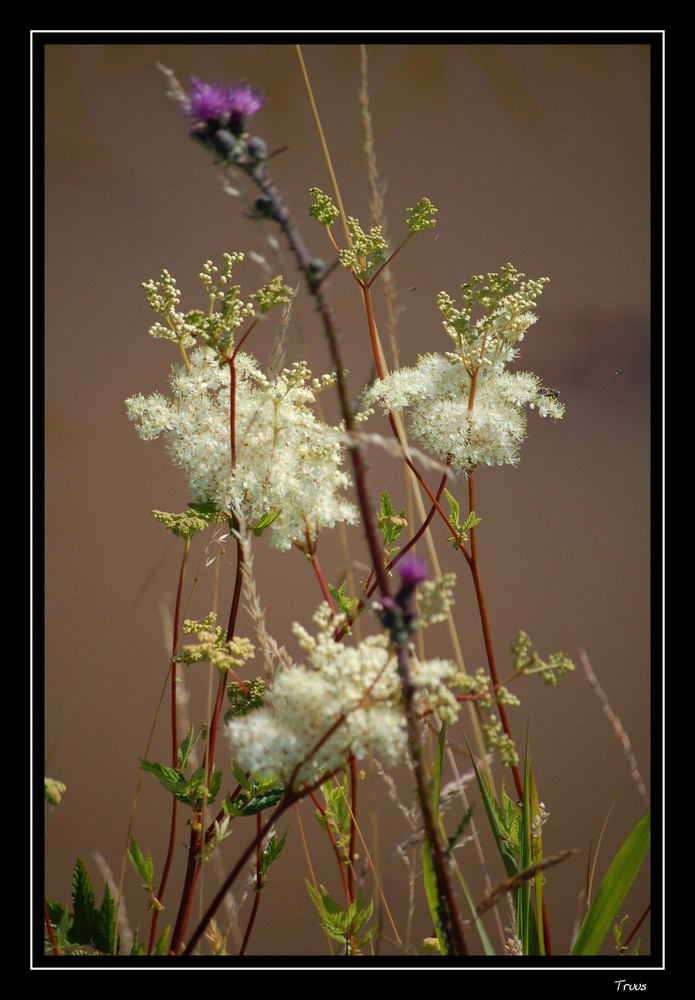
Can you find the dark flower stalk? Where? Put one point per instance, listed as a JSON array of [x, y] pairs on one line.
[[224, 133]]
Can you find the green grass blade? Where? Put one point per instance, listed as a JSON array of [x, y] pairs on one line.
[[523, 896], [613, 889], [428, 872], [508, 859]]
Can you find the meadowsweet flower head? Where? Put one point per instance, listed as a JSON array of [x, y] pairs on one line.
[[285, 471], [289, 464], [463, 405], [344, 700]]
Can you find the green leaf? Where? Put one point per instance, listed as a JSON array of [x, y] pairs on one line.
[[271, 852], [240, 775], [215, 783], [429, 874], [617, 881], [265, 521], [341, 923], [390, 523], [143, 866], [263, 800], [105, 937], [186, 790], [162, 772], [454, 506], [162, 945], [85, 914], [61, 919], [345, 604], [185, 748], [492, 810], [470, 521], [523, 895]]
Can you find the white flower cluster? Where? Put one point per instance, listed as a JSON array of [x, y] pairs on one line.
[[345, 700], [464, 406], [287, 461]]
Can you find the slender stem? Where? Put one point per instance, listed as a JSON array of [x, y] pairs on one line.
[[353, 829], [191, 880], [448, 913], [371, 587], [165, 875], [49, 929], [257, 894], [214, 724], [174, 749], [373, 336], [284, 804], [334, 845], [487, 636], [174, 678], [316, 566]]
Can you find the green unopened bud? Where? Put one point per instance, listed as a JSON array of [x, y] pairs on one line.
[[53, 790]]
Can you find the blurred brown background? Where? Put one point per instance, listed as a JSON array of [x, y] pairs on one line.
[[538, 154]]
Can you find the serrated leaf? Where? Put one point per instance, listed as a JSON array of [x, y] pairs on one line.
[[345, 604], [85, 915], [185, 748], [271, 852], [454, 506], [143, 866], [471, 521], [105, 937], [56, 911], [386, 509], [240, 775], [390, 523], [61, 919], [263, 800], [333, 916], [163, 772], [184, 789], [341, 923], [493, 814]]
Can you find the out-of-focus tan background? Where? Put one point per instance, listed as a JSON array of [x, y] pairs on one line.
[[538, 154]]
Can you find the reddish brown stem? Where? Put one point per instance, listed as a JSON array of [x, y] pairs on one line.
[[257, 894], [191, 879], [174, 748], [487, 636], [336, 849]]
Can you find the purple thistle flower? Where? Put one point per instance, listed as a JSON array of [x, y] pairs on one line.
[[206, 101], [217, 105], [245, 100], [412, 571], [398, 614]]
